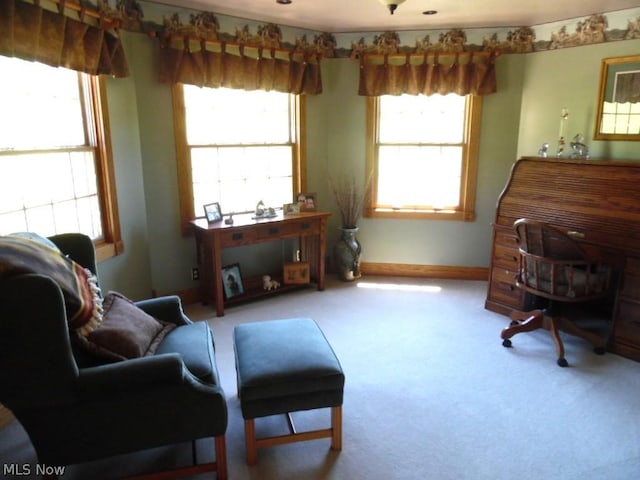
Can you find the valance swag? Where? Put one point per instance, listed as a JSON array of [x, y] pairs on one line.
[[207, 63], [628, 88], [32, 32], [414, 74]]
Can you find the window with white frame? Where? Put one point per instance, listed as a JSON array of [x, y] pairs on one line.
[[56, 172], [236, 147], [423, 156]]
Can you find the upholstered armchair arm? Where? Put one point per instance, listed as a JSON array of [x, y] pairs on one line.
[[35, 353], [136, 374], [167, 309]]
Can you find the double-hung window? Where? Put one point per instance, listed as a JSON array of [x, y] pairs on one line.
[[237, 148], [422, 156], [56, 172]]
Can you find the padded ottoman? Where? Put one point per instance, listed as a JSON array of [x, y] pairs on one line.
[[285, 366]]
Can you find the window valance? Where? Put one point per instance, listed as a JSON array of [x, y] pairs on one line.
[[217, 63], [462, 73], [89, 44], [627, 88]]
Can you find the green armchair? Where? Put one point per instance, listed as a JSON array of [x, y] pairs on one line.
[[76, 409]]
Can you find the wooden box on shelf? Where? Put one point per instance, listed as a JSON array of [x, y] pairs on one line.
[[296, 273]]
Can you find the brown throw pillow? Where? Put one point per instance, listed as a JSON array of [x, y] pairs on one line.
[[126, 331]]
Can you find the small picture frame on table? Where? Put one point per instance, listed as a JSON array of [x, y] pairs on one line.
[[232, 281], [306, 201], [290, 208], [213, 212], [296, 273]]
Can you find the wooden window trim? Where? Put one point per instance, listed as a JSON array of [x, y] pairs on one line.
[[469, 174], [97, 140], [111, 244], [183, 156]]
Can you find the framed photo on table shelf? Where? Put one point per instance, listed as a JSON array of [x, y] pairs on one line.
[[213, 212], [232, 281]]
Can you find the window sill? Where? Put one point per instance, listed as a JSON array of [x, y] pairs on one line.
[[105, 250], [404, 214]]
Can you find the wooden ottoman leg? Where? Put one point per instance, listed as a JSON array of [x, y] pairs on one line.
[[336, 428], [250, 441]]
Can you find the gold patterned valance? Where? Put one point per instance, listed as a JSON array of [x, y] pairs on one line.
[[217, 63], [462, 73], [89, 44]]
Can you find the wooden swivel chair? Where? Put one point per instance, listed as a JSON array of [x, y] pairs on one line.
[[557, 272]]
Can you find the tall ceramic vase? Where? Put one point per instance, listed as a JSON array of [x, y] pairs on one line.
[[347, 255]]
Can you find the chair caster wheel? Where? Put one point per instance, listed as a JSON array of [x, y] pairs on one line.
[[599, 350], [506, 343], [562, 362]]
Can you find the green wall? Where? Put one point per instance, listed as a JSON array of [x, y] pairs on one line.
[[569, 78], [532, 88], [129, 273]]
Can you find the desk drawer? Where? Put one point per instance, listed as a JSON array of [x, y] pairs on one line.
[[235, 238], [503, 290], [505, 257], [627, 322], [507, 238], [633, 266]]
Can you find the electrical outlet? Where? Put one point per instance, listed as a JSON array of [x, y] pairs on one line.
[[195, 274]]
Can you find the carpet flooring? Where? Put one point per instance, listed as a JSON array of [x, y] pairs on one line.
[[430, 393]]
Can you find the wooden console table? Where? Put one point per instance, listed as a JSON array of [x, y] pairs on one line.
[[597, 203], [309, 227]]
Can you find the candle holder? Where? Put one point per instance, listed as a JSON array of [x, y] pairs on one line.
[[564, 116]]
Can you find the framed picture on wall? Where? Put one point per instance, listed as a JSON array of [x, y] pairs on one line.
[[213, 212], [232, 280]]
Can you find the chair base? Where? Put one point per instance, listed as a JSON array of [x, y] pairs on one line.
[[219, 466], [253, 443], [536, 319]]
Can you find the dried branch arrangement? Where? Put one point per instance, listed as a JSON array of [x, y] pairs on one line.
[[350, 198]]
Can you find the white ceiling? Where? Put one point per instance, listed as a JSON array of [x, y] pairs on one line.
[[371, 15]]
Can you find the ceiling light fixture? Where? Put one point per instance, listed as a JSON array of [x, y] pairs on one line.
[[429, 12], [284, 2], [391, 4]]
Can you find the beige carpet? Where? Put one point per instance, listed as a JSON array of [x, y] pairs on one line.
[[430, 393]]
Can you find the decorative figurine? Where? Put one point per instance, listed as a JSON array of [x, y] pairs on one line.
[[578, 147], [268, 284], [263, 212], [544, 150]]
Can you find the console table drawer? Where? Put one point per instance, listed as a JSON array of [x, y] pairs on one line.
[[287, 230], [234, 238]]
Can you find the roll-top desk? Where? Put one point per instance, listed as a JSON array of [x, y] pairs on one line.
[[597, 202]]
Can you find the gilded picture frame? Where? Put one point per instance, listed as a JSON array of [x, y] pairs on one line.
[[618, 116]]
